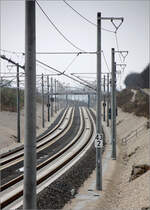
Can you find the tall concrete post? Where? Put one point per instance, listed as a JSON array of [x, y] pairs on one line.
[[18, 106], [29, 195], [52, 110], [66, 99], [108, 99], [48, 104], [43, 122], [55, 96], [104, 103], [98, 106], [58, 90], [113, 105], [88, 100]]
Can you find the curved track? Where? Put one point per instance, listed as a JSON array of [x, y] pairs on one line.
[[54, 166], [43, 142]]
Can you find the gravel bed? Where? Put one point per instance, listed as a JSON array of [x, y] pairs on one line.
[[59, 192], [64, 189], [13, 171]]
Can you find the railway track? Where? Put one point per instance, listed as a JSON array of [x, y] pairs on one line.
[[55, 166], [48, 131], [43, 142]]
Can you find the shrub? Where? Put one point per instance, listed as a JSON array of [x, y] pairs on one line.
[[9, 99], [140, 106], [124, 97]]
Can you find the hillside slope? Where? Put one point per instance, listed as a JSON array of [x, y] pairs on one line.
[[139, 106]]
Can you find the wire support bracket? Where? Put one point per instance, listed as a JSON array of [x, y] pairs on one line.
[[114, 21]]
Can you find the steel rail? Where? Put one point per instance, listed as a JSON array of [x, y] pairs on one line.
[[42, 145], [38, 138], [60, 165], [14, 181]]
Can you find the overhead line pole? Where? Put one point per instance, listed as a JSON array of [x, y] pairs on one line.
[[89, 101], [104, 104], [18, 106], [98, 106], [48, 104], [99, 137], [55, 96], [43, 124], [29, 195], [52, 110], [108, 99], [113, 105]]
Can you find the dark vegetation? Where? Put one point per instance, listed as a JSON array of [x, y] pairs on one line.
[[139, 80], [9, 99], [136, 81], [140, 106], [123, 97]]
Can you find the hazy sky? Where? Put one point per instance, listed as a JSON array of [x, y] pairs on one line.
[[133, 35]]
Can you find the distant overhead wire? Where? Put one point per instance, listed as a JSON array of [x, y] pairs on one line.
[[61, 73], [71, 62], [70, 42], [9, 73], [83, 73], [64, 53], [117, 45], [3, 85], [85, 17], [88, 83], [8, 51], [50, 53], [39, 65], [105, 61]]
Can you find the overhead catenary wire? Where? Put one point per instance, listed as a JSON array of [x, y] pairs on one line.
[[3, 85], [51, 22], [51, 53], [85, 17], [117, 45], [64, 53], [9, 73], [83, 73], [71, 63], [88, 77], [83, 80], [9, 51], [105, 61], [61, 73]]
